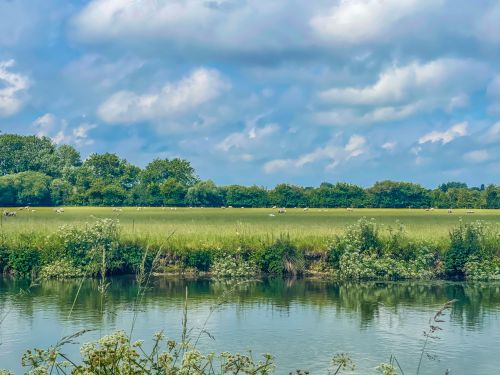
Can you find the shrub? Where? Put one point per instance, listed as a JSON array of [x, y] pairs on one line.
[[476, 269], [4, 256], [281, 257], [233, 265], [465, 241], [24, 260], [85, 246], [199, 259], [60, 269]]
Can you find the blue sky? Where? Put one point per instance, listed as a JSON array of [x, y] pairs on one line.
[[254, 91]]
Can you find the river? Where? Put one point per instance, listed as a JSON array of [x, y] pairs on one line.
[[302, 322]]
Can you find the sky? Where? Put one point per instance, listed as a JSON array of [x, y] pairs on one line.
[[263, 91]]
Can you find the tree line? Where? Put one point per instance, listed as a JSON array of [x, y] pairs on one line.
[[35, 171]]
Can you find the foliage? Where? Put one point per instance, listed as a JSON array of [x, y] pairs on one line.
[[60, 269], [23, 259], [86, 245], [281, 257], [465, 242], [35, 171], [116, 354], [485, 269], [199, 259], [233, 265]]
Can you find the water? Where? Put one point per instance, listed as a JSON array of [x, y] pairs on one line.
[[301, 322]]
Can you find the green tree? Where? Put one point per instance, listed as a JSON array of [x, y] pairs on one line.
[[398, 195], [285, 195], [60, 191], [492, 196], [173, 192], [20, 153], [204, 193]]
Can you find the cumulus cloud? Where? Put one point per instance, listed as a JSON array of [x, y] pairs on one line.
[[248, 138], [389, 146], [12, 89], [355, 21], [457, 130], [60, 132], [234, 26], [200, 87], [403, 91], [331, 153]]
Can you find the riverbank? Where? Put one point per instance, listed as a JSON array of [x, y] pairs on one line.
[[364, 250]]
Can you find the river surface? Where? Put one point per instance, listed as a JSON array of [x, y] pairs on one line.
[[301, 322]]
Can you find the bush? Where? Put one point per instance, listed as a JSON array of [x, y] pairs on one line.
[[23, 260], [4, 256], [476, 269], [281, 257], [199, 259], [85, 246], [465, 242], [233, 265], [60, 269]]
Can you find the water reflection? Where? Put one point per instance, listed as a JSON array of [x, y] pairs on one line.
[[365, 299], [370, 319]]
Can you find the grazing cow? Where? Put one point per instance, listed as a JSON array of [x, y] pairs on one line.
[[306, 209], [282, 210], [349, 209], [470, 211], [59, 210], [9, 213]]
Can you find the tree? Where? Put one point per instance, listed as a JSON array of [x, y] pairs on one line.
[[285, 195], [452, 185], [60, 192], [26, 153], [25, 188], [338, 195], [244, 196], [204, 193], [173, 192], [398, 195], [159, 170], [492, 196]]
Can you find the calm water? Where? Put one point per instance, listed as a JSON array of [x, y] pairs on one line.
[[302, 322]]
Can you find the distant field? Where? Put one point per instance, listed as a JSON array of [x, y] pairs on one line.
[[218, 226]]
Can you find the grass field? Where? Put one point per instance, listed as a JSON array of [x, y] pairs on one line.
[[216, 226]]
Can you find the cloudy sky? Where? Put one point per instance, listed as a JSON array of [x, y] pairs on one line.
[[263, 91]]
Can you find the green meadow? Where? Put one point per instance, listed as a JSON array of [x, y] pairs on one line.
[[192, 227]]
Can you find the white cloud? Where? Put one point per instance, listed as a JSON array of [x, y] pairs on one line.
[[331, 153], [201, 86], [12, 88], [60, 132], [476, 156], [248, 139], [389, 146], [403, 91], [356, 21], [398, 85], [457, 130], [222, 25]]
